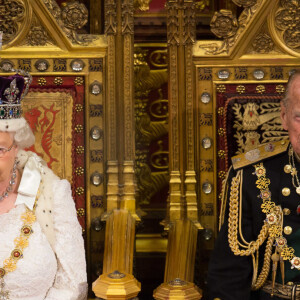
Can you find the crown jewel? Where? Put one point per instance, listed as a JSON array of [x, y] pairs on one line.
[[12, 90]]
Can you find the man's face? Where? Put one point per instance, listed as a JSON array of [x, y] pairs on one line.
[[290, 115]]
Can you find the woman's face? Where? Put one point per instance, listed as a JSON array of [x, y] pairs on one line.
[[7, 159]]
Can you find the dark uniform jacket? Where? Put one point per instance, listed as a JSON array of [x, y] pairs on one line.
[[230, 276]]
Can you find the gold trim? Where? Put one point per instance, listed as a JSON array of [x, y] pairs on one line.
[[151, 243]]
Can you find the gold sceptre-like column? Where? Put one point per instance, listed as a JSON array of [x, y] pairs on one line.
[[183, 207], [117, 281]]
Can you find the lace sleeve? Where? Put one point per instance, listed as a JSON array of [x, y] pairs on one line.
[[71, 280]]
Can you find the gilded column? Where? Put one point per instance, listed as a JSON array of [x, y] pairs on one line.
[[111, 105], [117, 281], [176, 210], [189, 37], [181, 37], [183, 211], [128, 199]]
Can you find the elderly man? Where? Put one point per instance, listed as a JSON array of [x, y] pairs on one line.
[[257, 253]]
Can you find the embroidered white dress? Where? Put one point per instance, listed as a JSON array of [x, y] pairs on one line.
[[56, 272]]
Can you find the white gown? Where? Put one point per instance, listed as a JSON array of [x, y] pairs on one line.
[[45, 272]]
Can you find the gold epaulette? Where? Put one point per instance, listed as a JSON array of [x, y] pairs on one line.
[[260, 153]]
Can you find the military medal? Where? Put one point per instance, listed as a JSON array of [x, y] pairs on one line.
[[291, 168], [298, 210]]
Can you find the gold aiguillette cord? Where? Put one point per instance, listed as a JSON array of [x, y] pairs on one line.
[[275, 259]]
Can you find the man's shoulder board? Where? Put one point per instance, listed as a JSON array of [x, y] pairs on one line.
[[260, 153]]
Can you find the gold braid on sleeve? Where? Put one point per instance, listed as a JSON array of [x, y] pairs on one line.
[[234, 225], [224, 197]]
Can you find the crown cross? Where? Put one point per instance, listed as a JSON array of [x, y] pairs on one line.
[[12, 92]]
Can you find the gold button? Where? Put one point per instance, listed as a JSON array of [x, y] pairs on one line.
[[286, 191], [282, 142], [288, 230], [287, 169], [286, 211]]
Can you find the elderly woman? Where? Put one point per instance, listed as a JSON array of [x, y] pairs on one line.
[[41, 246]]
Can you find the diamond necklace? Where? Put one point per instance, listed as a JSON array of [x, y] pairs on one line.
[[11, 183], [294, 170]]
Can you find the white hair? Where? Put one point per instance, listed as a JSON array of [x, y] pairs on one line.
[[290, 82], [19, 130]]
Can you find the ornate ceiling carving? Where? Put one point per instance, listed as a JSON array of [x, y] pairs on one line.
[[12, 14], [226, 26], [287, 23], [16, 17]]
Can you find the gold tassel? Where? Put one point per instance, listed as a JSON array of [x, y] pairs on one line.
[[282, 269], [275, 259]]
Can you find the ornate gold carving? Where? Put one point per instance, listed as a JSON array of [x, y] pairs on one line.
[[128, 96], [142, 5], [221, 154], [78, 81], [79, 149], [158, 58], [240, 73], [79, 191], [221, 131], [72, 17], [58, 81], [222, 174], [206, 165], [78, 107], [221, 88], [96, 65], [245, 3], [149, 183], [146, 80], [221, 111], [79, 171], [12, 14], [25, 64], [263, 43], [232, 28], [260, 89], [96, 110], [206, 209], [59, 65], [240, 89], [78, 128], [206, 119], [186, 36], [276, 73], [205, 73], [80, 212], [37, 36], [202, 4], [287, 23], [223, 24], [280, 89], [96, 156], [111, 17], [127, 17], [42, 81]]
